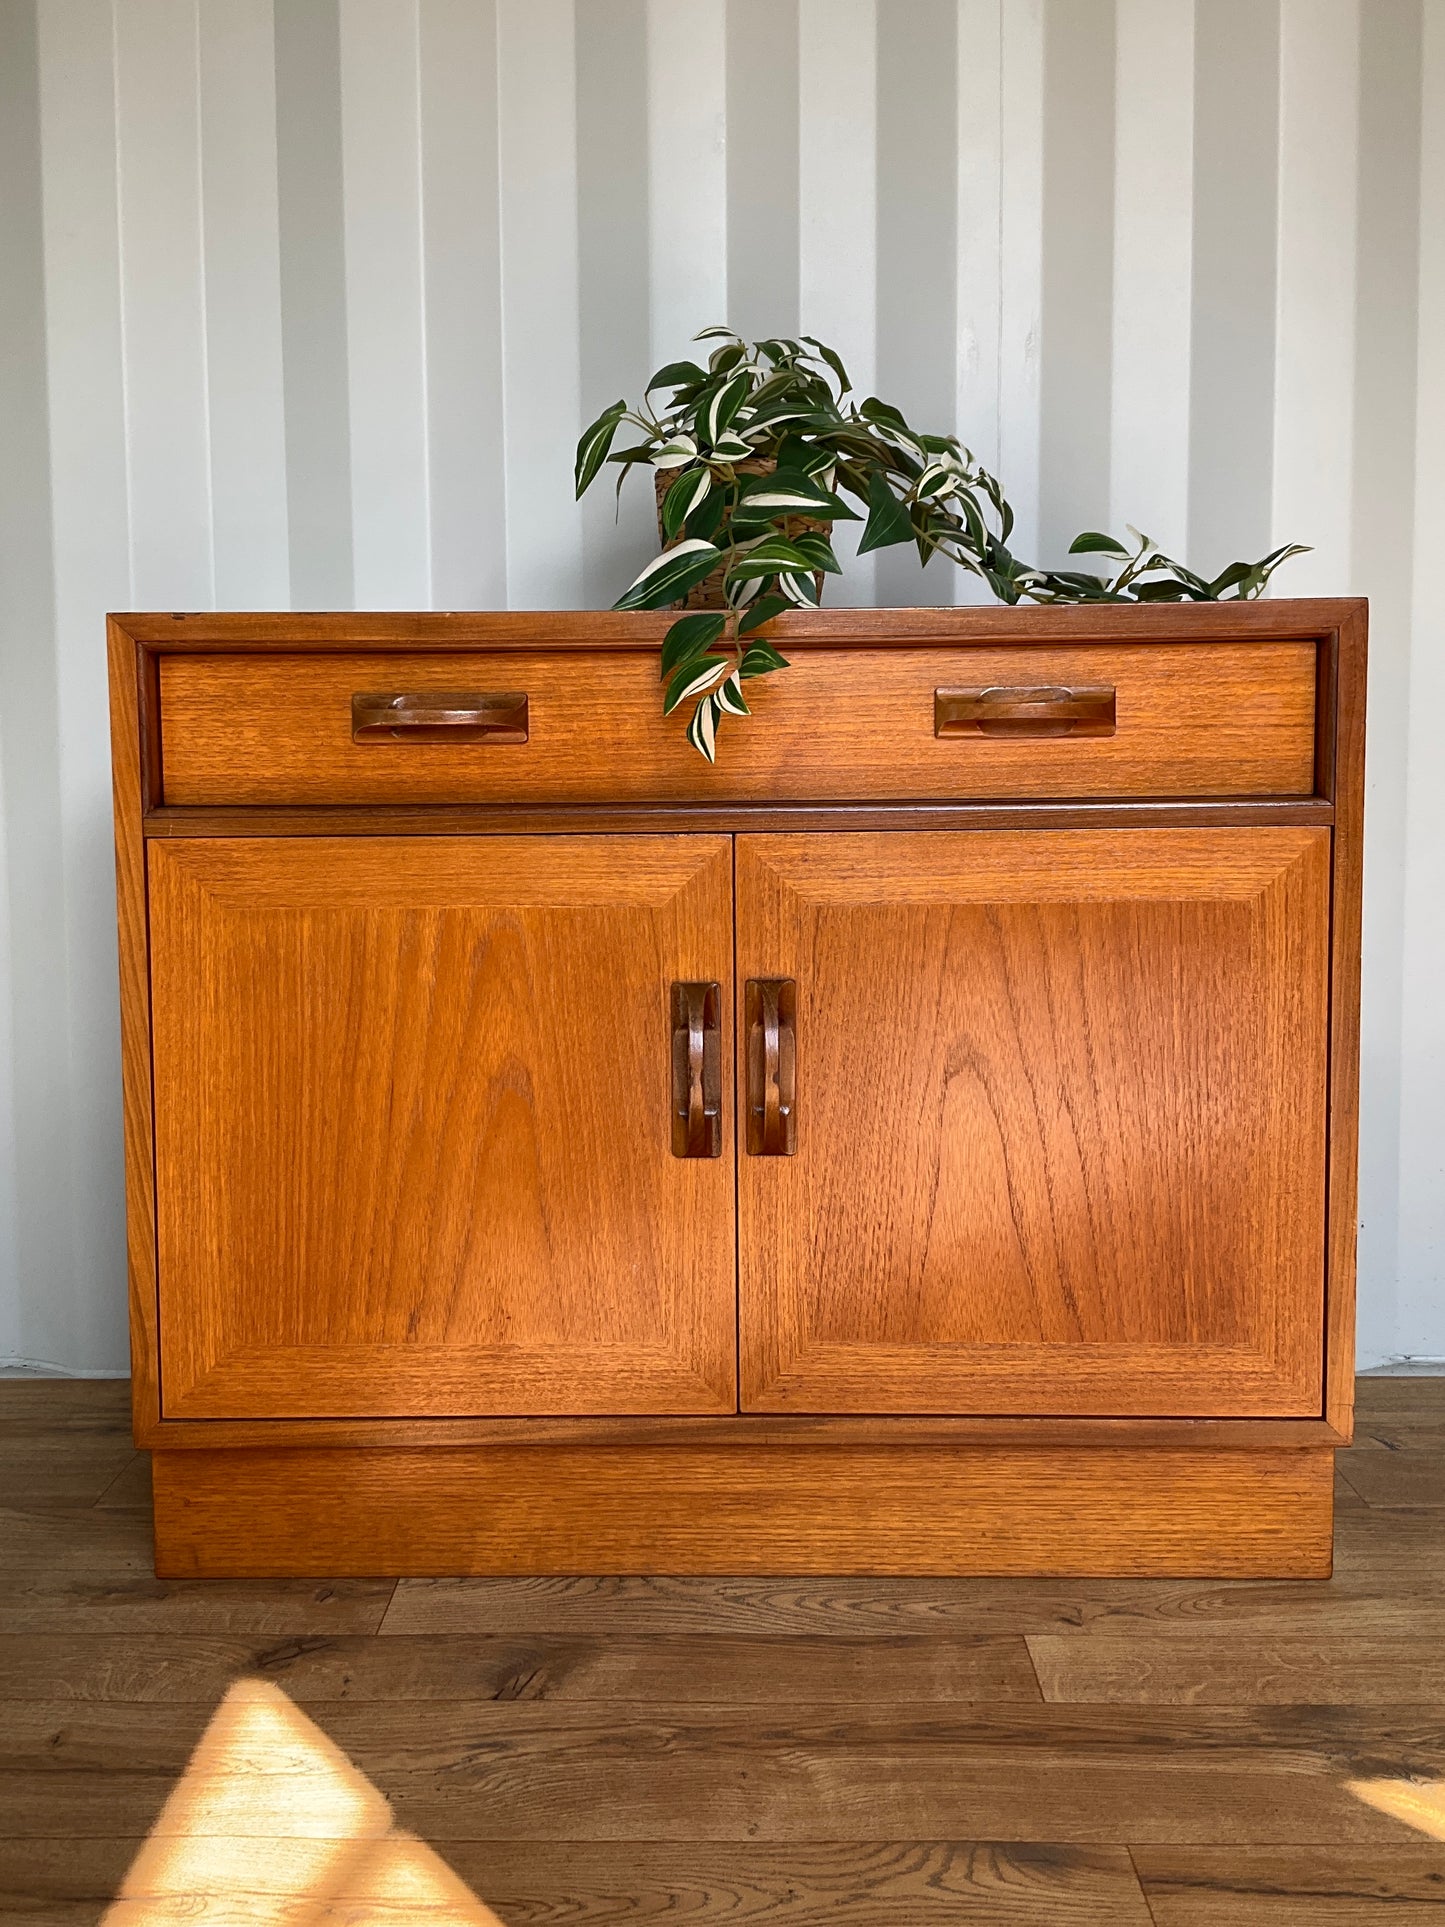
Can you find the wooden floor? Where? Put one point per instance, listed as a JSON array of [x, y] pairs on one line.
[[1058, 1753]]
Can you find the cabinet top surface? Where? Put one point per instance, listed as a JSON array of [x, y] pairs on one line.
[[610, 629]]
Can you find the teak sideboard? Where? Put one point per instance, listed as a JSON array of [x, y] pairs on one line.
[[923, 1142]]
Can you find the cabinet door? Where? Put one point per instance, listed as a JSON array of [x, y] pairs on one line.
[[1060, 1123], [413, 1127]]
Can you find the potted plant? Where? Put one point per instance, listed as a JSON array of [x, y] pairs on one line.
[[756, 455]]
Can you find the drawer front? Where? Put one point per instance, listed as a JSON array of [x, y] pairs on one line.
[[1207, 719]]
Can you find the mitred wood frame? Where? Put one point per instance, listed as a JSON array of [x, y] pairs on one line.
[[1338, 627]]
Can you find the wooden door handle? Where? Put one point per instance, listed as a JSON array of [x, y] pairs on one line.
[[696, 1071], [771, 1008], [1085, 709], [439, 716]]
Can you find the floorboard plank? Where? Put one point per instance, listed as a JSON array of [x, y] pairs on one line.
[[136, 1603], [557, 1771], [1369, 1602], [684, 1669], [603, 1884], [1407, 1480], [1208, 1671], [70, 1470], [29, 1406], [1399, 1886]]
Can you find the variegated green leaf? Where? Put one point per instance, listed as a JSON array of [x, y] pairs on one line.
[[675, 453], [888, 521], [730, 697], [592, 449], [677, 374], [801, 589], [766, 558], [689, 636], [761, 659], [683, 497], [937, 480], [720, 407], [830, 356], [702, 730], [817, 552], [717, 333], [790, 492], [730, 448], [670, 575], [1091, 542], [763, 610], [694, 677]]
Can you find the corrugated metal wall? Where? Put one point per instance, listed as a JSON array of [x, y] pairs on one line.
[[303, 304]]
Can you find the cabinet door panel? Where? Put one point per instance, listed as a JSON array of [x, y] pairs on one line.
[[1060, 1123], [413, 1127]]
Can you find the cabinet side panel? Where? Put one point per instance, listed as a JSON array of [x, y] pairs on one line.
[[127, 668], [1349, 801]]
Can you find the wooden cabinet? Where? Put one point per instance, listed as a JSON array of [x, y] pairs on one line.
[[923, 1142]]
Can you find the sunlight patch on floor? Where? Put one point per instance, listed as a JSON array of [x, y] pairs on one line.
[[1418, 1803], [272, 1826]]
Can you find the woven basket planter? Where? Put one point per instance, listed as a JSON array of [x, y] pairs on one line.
[[708, 594]]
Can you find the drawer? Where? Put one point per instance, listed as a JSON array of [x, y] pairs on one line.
[[1177, 719]]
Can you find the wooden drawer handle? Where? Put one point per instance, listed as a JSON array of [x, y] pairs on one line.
[[771, 1007], [1086, 709], [439, 716], [696, 1071]]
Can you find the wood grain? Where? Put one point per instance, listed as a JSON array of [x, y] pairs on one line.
[[528, 1771], [684, 1668], [524, 819], [1061, 1123], [1416, 1484], [413, 1137], [604, 1884], [263, 633], [751, 1428], [1347, 791], [898, 1509], [1204, 1670], [1402, 1885], [132, 736], [1216, 719]]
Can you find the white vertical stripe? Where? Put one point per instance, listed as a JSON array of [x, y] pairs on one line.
[[980, 215], [762, 166], [1153, 217], [74, 1309], [837, 214], [162, 284], [1319, 85], [13, 1308], [243, 304], [385, 318], [1382, 536], [462, 243], [539, 300], [687, 138], [1021, 116], [1422, 1108], [1236, 246]]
